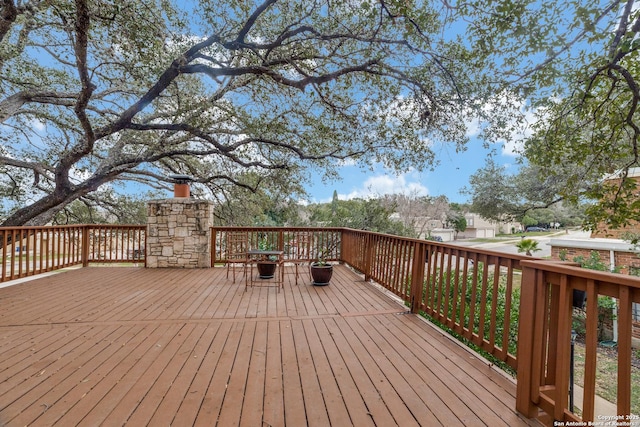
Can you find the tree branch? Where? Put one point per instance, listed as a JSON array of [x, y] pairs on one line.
[[12, 104], [83, 22], [165, 79], [35, 166], [8, 15], [622, 28], [252, 20], [277, 77], [555, 54]]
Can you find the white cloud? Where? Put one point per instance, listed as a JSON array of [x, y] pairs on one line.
[[37, 124], [386, 184], [512, 145], [473, 127]]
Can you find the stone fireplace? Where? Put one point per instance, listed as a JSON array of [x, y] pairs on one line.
[[179, 231]]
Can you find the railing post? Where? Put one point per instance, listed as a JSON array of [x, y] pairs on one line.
[[85, 246], [417, 277], [562, 346], [212, 244], [368, 255], [526, 334], [624, 353], [280, 240]]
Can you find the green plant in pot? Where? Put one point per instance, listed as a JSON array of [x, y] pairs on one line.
[[321, 271], [266, 266]]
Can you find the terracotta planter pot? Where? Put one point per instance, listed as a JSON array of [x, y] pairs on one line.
[[266, 270], [321, 274]]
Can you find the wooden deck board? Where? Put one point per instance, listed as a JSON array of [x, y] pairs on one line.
[[435, 400], [217, 335], [406, 408], [273, 398], [356, 406], [314, 402], [253, 396], [431, 372], [294, 413], [189, 347]]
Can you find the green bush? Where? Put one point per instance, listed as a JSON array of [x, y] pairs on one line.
[[436, 293]]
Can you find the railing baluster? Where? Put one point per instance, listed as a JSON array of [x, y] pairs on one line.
[[447, 313], [591, 350], [12, 253], [506, 322], [484, 286], [624, 352], [463, 293], [472, 303], [417, 277], [493, 318]]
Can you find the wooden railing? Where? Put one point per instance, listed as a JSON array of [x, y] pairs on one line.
[[114, 243], [544, 341], [516, 308], [476, 294], [325, 242], [472, 292], [26, 251]]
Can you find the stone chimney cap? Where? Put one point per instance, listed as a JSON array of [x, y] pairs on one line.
[[181, 179]]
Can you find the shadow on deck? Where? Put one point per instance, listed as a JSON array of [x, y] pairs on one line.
[[189, 347]]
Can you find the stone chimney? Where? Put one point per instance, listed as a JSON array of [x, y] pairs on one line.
[[179, 229]]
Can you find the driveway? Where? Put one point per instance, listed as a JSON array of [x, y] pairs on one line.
[[508, 245]]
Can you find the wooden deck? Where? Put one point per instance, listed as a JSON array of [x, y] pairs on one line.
[[114, 346]]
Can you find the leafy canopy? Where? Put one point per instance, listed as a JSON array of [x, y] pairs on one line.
[[249, 95], [576, 64]]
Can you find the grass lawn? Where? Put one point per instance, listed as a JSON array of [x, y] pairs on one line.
[[607, 375]]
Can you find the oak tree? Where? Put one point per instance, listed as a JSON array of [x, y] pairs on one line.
[[575, 65], [249, 95]]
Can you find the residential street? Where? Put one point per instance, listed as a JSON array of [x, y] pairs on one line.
[[508, 244]]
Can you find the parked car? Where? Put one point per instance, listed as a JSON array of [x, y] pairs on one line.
[[532, 229]]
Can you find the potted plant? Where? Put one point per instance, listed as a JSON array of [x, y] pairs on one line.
[[266, 266], [321, 271]]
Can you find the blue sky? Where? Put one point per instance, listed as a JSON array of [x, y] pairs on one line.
[[446, 179]]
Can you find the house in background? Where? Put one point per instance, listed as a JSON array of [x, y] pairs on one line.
[[479, 227], [430, 227]]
